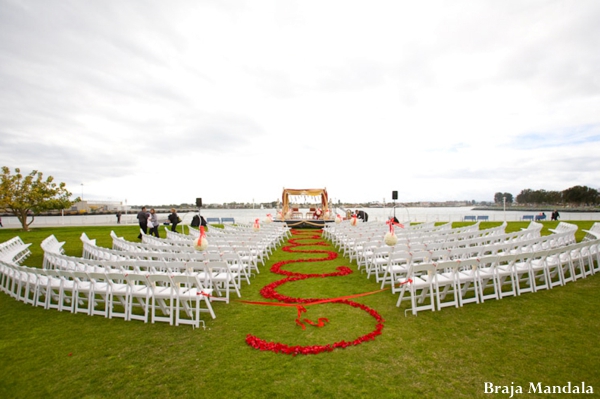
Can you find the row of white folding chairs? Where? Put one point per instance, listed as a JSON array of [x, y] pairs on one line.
[[387, 266], [332, 230], [226, 252], [14, 250], [458, 235], [122, 244], [268, 234], [255, 246], [354, 246], [429, 234], [431, 285], [274, 232], [363, 249], [176, 298], [271, 241], [221, 275], [91, 251], [249, 251], [237, 258], [248, 254], [346, 225], [374, 259]]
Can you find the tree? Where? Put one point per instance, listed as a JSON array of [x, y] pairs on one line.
[[579, 195], [29, 195], [499, 198]]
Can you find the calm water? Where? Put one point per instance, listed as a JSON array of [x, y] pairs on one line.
[[249, 215]]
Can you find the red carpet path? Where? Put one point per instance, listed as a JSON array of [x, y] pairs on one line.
[[270, 292]]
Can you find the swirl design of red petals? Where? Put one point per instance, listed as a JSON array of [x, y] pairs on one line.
[[270, 292]]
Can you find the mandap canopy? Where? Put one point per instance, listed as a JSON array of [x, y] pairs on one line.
[[315, 192]]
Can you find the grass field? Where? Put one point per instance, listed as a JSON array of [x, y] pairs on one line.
[[549, 337]]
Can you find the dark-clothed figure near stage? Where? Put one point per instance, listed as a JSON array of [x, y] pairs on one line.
[[174, 219], [198, 221], [362, 215], [143, 219]]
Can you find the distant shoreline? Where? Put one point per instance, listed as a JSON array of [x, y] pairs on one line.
[[536, 209], [162, 209]]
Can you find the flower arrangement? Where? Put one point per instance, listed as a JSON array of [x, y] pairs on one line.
[[201, 243], [390, 238]]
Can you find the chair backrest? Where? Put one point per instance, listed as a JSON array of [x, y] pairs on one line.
[[162, 281], [416, 269]]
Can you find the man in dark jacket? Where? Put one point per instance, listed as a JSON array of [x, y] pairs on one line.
[[362, 215], [143, 219]]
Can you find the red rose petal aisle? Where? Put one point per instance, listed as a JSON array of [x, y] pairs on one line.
[[270, 292]]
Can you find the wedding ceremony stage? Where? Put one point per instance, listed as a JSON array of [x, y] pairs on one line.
[[317, 216]]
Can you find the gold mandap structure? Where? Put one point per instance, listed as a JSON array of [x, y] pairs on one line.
[[316, 217]]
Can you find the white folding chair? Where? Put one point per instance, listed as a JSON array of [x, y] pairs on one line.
[[236, 266], [587, 255], [396, 267], [524, 273], [379, 259], [60, 290], [118, 294], [82, 292], [419, 284], [223, 279], [26, 284], [486, 273], [189, 294], [139, 296], [162, 298], [579, 259], [541, 277], [446, 284], [560, 266], [467, 281], [100, 294], [506, 275]]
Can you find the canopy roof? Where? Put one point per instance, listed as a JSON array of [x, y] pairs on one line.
[[313, 192]]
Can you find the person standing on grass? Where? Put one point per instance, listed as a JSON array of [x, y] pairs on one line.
[[154, 219], [143, 219], [174, 219]]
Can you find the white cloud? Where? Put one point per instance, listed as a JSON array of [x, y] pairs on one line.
[[230, 101]]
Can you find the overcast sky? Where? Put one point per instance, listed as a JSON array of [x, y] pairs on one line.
[[161, 102]]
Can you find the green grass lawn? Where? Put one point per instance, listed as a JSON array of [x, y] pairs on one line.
[[549, 337]]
